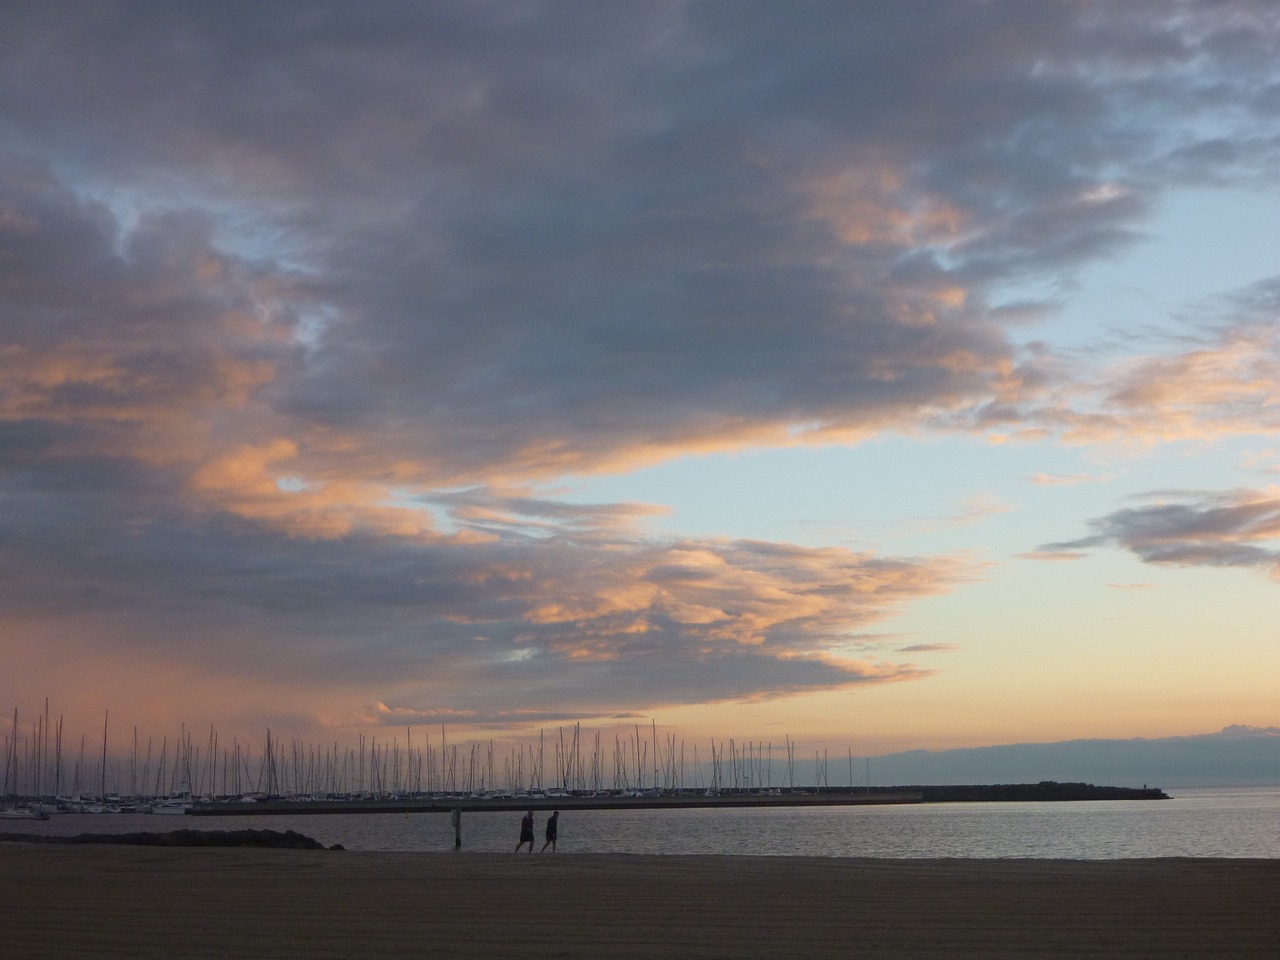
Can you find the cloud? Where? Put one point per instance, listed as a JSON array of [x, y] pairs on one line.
[[974, 510], [1244, 730], [159, 485], [105, 331], [580, 618], [1216, 530], [1052, 554], [382, 715], [302, 310], [1068, 479], [1264, 461], [1218, 379], [1228, 386], [716, 233]]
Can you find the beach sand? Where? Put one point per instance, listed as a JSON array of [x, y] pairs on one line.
[[60, 902]]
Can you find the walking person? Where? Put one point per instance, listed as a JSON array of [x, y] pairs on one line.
[[552, 827], [526, 832]]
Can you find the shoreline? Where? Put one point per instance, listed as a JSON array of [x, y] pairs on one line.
[[71, 901]]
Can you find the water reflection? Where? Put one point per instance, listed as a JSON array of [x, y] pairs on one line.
[[1241, 823]]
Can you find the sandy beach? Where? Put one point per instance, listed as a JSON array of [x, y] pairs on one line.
[[113, 901]]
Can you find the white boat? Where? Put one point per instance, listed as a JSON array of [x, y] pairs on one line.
[[23, 813], [170, 807]]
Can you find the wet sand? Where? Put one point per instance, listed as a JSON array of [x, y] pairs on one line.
[[60, 902]]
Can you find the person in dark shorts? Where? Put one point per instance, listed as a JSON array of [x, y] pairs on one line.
[[552, 824], [526, 832]]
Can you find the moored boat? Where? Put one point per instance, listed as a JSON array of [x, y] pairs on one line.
[[170, 806], [23, 813]]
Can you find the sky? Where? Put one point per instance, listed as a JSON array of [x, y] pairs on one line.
[[885, 376]]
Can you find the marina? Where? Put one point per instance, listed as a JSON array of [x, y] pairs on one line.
[[423, 773]]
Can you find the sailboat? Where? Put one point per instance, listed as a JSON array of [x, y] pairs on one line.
[[13, 810]]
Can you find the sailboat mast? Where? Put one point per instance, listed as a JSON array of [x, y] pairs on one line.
[[10, 750], [103, 794]]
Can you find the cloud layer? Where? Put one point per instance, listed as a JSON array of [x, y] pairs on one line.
[[300, 304]]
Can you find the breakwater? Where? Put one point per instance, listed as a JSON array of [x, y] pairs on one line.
[[1047, 791], [496, 804]]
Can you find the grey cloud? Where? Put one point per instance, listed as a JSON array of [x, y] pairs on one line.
[[399, 716], [1219, 530], [106, 331], [553, 236], [484, 510]]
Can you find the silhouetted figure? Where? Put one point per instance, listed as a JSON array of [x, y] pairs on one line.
[[552, 825], [526, 832]]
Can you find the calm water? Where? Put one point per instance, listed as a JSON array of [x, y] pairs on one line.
[[1195, 823]]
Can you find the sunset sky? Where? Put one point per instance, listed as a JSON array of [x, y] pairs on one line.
[[881, 375]]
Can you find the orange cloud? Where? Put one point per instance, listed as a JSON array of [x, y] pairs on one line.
[[1227, 388], [1068, 479], [1052, 555], [253, 482], [778, 599], [871, 205]]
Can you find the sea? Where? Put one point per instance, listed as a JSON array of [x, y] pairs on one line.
[[1196, 822]]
